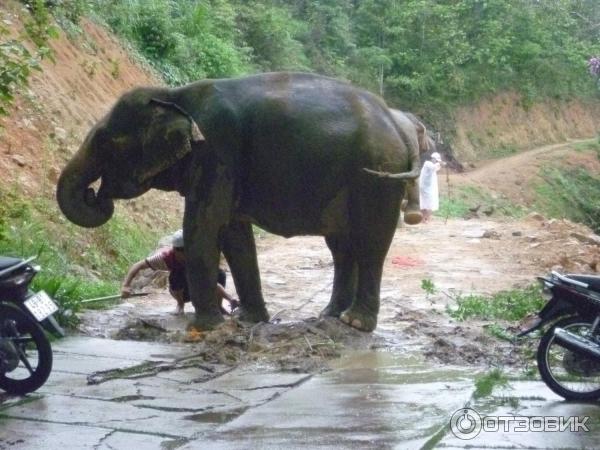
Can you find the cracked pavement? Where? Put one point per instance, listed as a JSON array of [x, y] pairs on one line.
[[370, 399]]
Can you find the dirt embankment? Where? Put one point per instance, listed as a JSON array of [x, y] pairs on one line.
[[503, 124], [89, 71]]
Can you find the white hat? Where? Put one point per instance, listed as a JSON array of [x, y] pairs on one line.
[[436, 156], [177, 239]]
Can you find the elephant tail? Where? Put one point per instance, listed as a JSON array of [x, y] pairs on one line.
[[402, 176]]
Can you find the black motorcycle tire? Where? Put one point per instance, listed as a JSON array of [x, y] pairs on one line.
[[545, 371], [27, 325]]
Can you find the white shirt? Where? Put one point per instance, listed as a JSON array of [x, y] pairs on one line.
[[428, 186]]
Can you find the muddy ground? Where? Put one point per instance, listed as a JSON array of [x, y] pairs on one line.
[[480, 256]]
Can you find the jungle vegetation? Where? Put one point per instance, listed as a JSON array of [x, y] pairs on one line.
[[422, 54], [414, 52]]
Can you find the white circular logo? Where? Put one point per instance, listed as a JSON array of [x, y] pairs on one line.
[[465, 423]]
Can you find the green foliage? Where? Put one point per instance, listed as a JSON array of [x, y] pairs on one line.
[[418, 53], [185, 40], [69, 10], [39, 27], [509, 305], [485, 384], [499, 332], [73, 268], [270, 34], [459, 203], [587, 146], [503, 151], [572, 194], [68, 292], [16, 61], [428, 286]]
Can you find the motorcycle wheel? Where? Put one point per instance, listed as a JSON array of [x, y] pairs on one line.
[[35, 353], [570, 375]]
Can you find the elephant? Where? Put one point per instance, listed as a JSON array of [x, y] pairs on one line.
[[415, 131], [293, 153]]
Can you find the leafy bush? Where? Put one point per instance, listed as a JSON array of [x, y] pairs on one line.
[[72, 269], [510, 305], [571, 193]]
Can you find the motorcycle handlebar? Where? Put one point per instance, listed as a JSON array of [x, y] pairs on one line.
[[568, 280], [16, 266]]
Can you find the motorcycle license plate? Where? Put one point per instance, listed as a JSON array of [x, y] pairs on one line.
[[40, 305]]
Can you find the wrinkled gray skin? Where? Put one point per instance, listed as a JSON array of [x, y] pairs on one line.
[[416, 134], [288, 152]]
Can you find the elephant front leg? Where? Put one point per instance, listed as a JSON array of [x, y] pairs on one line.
[[240, 251], [345, 276], [202, 252]]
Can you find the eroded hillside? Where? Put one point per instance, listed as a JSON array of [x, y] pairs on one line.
[[47, 124]]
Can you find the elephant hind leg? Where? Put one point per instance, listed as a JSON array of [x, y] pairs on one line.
[[345, 276], [412, 214], [374, 217]]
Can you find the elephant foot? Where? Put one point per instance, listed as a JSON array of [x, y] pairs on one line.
[[359, 320], [413, 217], [204, 322], [252, 315], [331, 311]]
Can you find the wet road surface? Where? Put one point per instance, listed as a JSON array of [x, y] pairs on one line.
[[161, 398]]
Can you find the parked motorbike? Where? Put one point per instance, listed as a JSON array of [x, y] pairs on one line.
[[25, 351], [568, 355]]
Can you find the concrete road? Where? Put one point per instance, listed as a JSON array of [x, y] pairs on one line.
[[106, 394]]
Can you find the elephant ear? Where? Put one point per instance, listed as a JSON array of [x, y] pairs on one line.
[[166, 138]]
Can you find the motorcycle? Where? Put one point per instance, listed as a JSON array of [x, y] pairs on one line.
[[568, 354], [25, 351]]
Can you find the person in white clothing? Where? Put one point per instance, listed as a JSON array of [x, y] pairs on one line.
[[428, 186]]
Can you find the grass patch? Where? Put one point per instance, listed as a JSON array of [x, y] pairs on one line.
[[588, 146], [499, 332], [511, 305], [573, 194], [485, 384], [503, 151], [76, 263], [460, 203]]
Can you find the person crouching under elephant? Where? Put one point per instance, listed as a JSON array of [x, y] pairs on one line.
[[172, 259]]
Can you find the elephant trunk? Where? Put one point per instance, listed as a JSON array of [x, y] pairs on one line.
[[77, 200]]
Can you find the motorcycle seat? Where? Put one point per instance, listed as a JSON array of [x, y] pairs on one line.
[[6, 262], [593, 281]]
